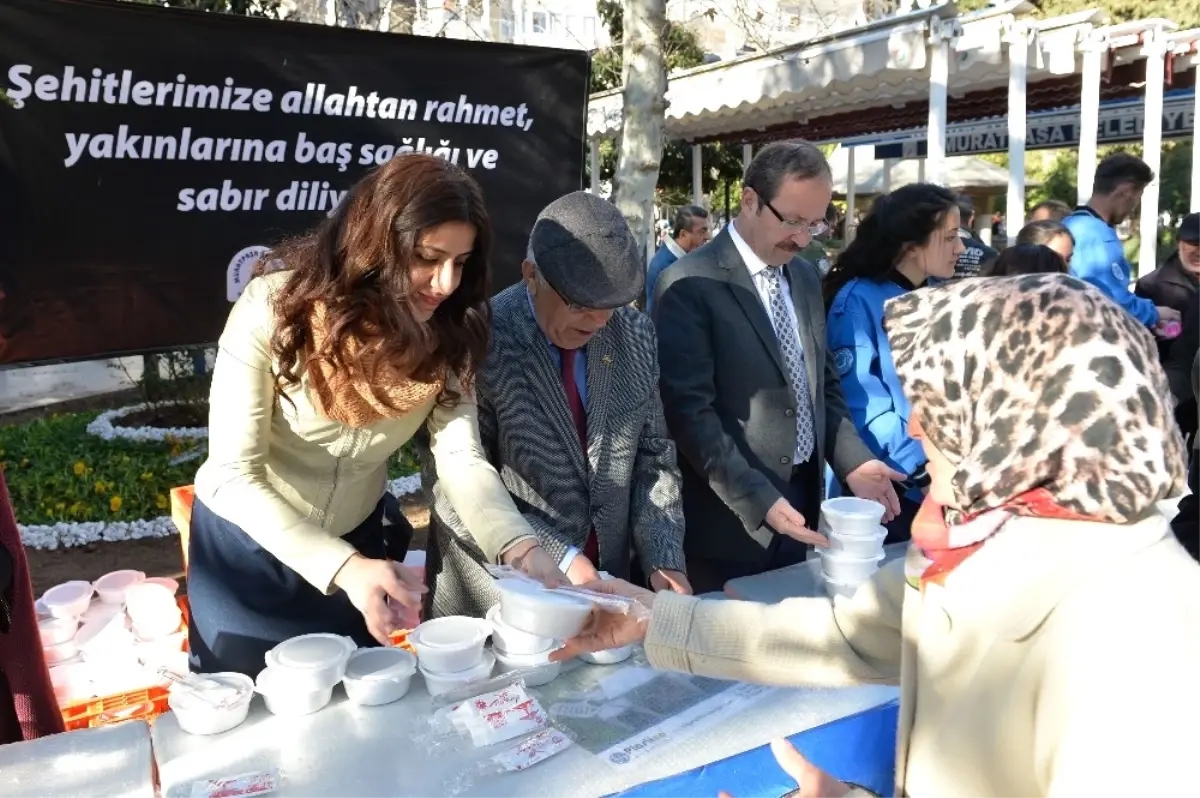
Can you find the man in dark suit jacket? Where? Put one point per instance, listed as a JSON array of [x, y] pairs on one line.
[[689, 231], [750, 396], [569, 415]]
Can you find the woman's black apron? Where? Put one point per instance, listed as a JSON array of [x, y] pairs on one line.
[[243, 601]]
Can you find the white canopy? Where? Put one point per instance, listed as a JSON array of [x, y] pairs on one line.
[[865, 68]]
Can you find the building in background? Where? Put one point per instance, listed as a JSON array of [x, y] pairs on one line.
[[729, 28], [567, 24]]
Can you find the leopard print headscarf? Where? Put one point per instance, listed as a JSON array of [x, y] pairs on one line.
[[1039, 381]]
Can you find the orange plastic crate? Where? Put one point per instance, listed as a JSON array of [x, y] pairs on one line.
[[181, 513], [145, 704]]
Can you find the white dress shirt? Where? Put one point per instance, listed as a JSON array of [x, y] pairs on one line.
[[673, 247], [757, 266]]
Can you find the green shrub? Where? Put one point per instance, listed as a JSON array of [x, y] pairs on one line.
[[56, 472]]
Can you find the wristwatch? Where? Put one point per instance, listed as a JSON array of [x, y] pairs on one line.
[[920, 478]]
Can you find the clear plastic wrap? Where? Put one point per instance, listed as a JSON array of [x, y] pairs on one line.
[[621, 605]]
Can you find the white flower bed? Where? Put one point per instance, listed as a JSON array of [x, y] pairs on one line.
[[103, 427], [66, 535]]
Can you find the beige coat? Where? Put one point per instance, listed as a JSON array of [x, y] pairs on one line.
[[1062, 659], [296, 481]]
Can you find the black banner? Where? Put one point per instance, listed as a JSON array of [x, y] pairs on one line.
[[147, 156]]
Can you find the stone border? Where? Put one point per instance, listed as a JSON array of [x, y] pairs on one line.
[[65, 535], [102, 427]]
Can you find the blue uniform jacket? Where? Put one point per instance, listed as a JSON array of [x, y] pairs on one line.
[[1100, 260], [658, 264], [863, 358]]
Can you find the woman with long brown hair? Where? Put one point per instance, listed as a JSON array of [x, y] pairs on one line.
[[372, 326]]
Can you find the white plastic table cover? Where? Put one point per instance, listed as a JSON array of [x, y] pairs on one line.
[[109, 761], [345, 750]]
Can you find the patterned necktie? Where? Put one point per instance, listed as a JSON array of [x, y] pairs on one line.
[[793, 359]]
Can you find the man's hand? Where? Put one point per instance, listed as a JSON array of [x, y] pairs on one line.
[[1166, 314], [873, 480], [674, 581], [581, 571], [531, 559], [812, 781], [784, 519]]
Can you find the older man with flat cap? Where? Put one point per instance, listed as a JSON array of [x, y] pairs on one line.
[[570, 416]]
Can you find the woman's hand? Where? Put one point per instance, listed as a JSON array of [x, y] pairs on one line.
[[606, 629], [675, 581], [813, 782], [532, 560], [385, 592]]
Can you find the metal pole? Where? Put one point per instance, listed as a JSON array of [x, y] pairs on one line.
[[697, 175], [941, 32], [1155, 50], [1089, 114], [1018, 73]]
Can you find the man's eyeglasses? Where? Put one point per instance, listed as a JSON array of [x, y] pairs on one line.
[[812, 228]]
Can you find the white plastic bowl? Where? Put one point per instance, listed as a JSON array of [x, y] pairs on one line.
[[112, 586], [310, 663], [59, 653], [378, 676], [852, 516], [450, 645], [103, 637], [514, 641], [285, 696], [544, 671], [68, 600], [42, 610], [159, 626], [148, 601], [165, 581], [197, 716], [609, 657], [857, 545], [416, 561], [527, 607], [439, 683], [72, 681], [99, 611], [845, 569], [57, 630], [844, 589]]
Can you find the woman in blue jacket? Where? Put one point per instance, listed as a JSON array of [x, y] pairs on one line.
[[910, 236]]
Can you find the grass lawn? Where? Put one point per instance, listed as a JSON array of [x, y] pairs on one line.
[[57, 472]]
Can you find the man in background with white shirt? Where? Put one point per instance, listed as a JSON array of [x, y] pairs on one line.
[[689, 232], [749, 394]]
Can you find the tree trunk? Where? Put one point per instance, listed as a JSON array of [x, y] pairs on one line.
[[644, 71]]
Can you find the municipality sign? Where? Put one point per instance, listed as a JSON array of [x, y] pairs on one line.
[[1119, 122]]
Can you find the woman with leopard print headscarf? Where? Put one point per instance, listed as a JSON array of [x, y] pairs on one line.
[[1045, 627]]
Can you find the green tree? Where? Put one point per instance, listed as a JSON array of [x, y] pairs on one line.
[[1185, 12], [722, 162]]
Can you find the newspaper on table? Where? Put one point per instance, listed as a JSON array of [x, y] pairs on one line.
[[623, 712]]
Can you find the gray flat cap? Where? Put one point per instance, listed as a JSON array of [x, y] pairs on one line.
[[584, 248]]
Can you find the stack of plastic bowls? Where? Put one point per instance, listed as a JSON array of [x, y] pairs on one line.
[[114, 643], [517, 650], [451, 653], [302, 671], [855, 543]]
